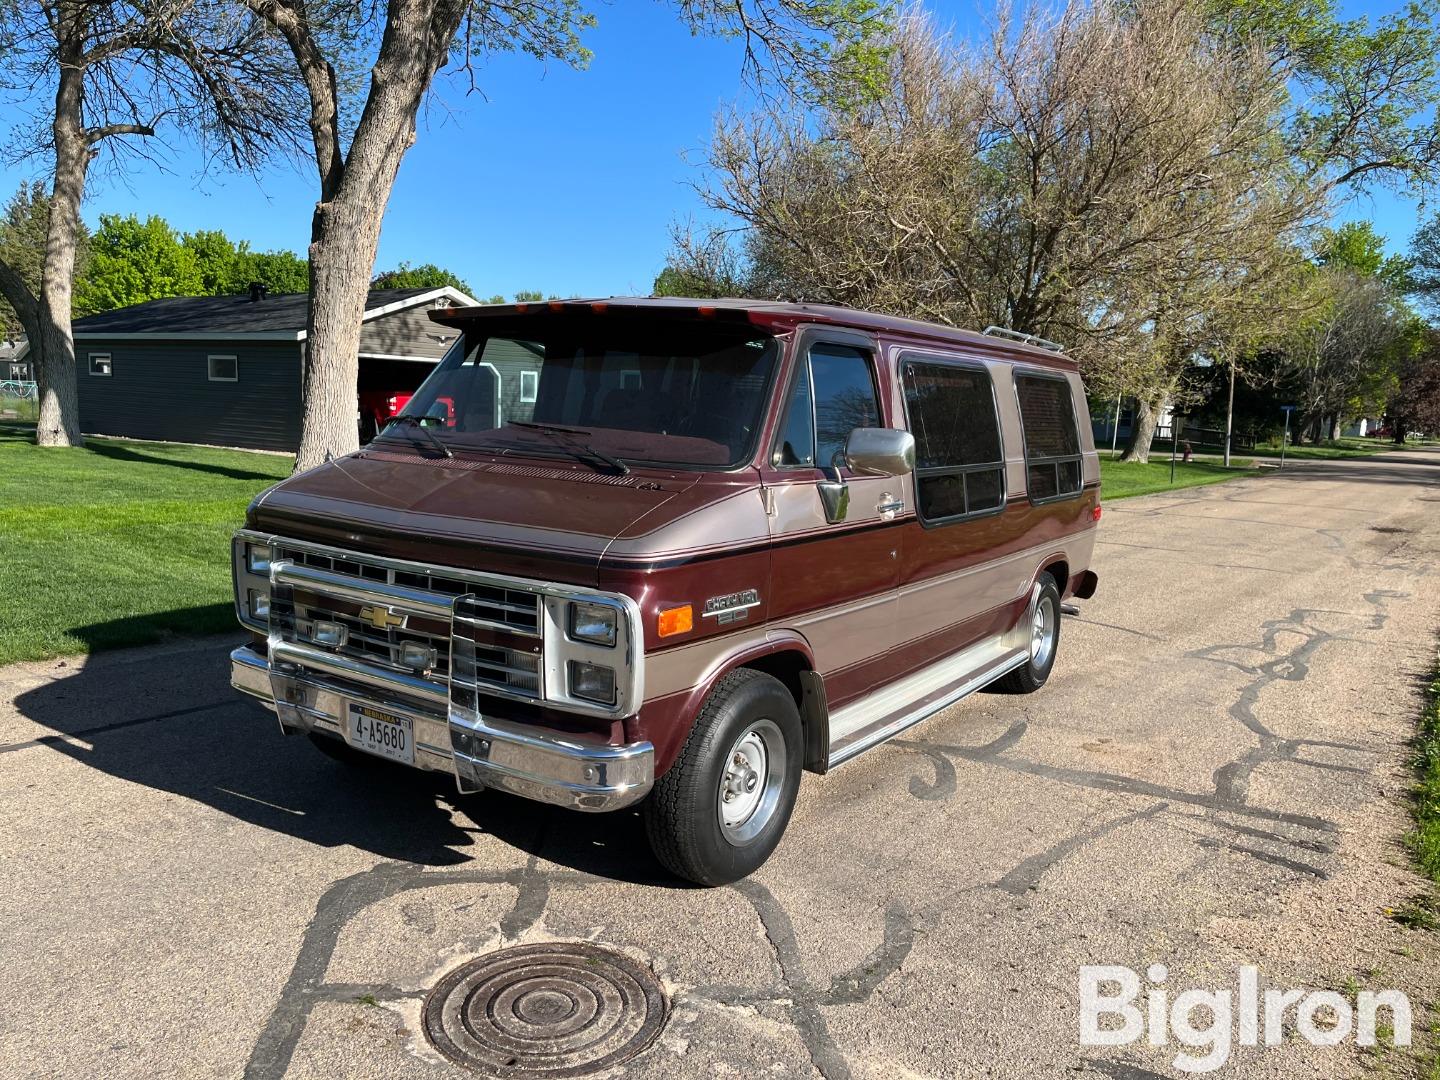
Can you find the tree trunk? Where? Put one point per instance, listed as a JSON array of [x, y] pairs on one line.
[[1230, 415], [59, 423], [342, 256], [345, 231], [1142, 431], [1335, 427]]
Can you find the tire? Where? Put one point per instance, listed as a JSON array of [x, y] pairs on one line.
[[1044, 641], [696, 817]]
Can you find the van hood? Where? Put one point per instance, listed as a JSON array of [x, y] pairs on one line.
[[532, 517]]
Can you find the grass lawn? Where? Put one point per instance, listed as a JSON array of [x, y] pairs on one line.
[[128, 543], [1341, 448], [118, 543], [1122, 479]]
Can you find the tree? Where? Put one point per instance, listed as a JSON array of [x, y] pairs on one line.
[[229, 269], [1415, 401], [123, 73], [1090, 177], [428, 276], [357, 152], [132, 261]]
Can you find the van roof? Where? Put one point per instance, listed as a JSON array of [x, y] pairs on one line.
[[773, 316]]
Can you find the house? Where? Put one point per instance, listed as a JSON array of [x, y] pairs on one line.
[[227, 369], [14, 363]]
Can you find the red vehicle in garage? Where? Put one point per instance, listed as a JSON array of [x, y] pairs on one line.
[[672, 553], [379, 407]]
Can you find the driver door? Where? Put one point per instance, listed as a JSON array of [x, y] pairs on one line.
[[834, 576]]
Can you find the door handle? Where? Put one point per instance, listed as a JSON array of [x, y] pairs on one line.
[[888, 507]]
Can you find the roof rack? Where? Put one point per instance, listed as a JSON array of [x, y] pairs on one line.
[[1028, 339]]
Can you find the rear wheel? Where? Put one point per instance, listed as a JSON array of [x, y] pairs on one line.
[[720, 811], [1043, 621]]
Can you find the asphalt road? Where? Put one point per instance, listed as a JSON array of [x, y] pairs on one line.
[[1213, 777]]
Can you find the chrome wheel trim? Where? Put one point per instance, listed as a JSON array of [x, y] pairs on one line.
[[751, 781], [1042, 631]]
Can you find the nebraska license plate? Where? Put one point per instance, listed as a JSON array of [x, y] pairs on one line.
[[381, 733]]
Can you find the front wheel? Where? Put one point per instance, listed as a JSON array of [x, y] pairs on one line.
[[1043, 623], [719, 812]]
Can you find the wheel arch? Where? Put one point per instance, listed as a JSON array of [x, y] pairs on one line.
[[786, 656]]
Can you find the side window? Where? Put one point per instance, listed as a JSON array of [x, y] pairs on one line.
[[959, 465], [1052, 444], [834, 394]]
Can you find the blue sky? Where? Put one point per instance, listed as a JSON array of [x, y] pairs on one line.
[[558, 180]]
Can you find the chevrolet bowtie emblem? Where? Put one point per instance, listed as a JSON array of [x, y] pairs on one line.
[[382, 618]]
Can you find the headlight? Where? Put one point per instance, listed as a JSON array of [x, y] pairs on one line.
[[592, 682], [257, 558], [594, 623], [259, 604]]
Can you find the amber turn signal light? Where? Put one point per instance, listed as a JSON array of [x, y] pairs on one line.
[[675, 620]]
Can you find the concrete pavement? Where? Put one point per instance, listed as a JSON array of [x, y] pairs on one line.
[[1214, 777]]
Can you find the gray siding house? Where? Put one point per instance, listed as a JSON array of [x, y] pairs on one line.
[[226, 370]]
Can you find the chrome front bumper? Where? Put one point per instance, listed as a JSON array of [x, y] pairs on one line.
[[547, 766]]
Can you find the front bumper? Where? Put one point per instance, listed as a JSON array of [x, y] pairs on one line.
[[548, 766]]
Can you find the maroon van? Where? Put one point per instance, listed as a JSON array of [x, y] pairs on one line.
[[675, 551]]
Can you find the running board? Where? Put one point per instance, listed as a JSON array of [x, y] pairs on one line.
[[891, 710]]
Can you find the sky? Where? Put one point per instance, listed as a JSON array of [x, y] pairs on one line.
[[562, 181]]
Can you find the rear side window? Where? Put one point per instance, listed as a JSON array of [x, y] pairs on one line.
[[959, 466], [1052, 444], [834, 394]]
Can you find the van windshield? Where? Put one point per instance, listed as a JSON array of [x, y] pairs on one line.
[[688, 395]]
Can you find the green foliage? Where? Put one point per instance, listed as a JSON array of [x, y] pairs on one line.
[[133, 261], [1365, 94], [428, 276], [834, 52], [1357, 245]]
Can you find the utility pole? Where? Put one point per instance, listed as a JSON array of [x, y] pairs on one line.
[[1115, 427], [1285, 438]]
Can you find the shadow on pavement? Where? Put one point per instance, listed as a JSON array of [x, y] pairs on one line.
[[168, 719]]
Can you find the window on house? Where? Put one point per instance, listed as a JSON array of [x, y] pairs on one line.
[[1052, 443], [224, 369], [834, 394], [99, 363], [959, 464], [529, 387]]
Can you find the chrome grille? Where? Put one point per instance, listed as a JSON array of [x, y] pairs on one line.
[[365, 642], [367, 571], [484, 662]]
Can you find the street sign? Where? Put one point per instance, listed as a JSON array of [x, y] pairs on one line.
[[1287, 408]]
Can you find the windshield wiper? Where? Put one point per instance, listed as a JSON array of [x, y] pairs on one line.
[[583, 451], [418, 424]]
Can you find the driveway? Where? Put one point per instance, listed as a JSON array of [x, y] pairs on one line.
[[1214, 777]]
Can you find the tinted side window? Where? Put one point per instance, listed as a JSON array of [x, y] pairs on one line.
[[797, 437], [834, 394], [844, 397], [959, 465], [1052, 444]]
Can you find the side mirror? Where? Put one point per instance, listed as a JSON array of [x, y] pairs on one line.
[[868, 452], [880, 452]]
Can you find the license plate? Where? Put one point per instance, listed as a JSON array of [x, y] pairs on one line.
[[381, 733]]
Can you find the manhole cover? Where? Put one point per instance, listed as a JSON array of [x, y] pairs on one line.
[[554, 1009]]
